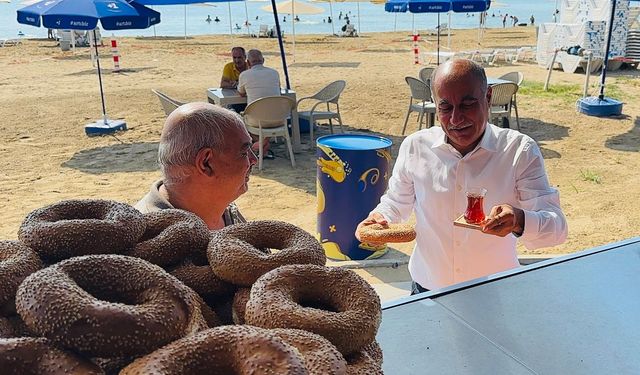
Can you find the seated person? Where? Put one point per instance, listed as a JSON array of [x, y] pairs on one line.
[[259, 82], [231, 73], [205, 158]]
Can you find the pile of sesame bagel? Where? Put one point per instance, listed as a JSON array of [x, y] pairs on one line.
[[96, 287]]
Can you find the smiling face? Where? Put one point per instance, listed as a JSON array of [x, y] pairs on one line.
[[462, 98]]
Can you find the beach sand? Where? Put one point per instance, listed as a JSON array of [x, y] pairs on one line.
[[47, 96]]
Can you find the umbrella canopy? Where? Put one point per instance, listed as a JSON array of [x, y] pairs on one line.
[[84, 15], [185, 2], [294, 7], [437, 6]]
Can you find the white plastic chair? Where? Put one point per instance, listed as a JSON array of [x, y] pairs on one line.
[[517, 78], [421, 92], [500, 106], [330, 94], [267, 117], [425, 74], [264, 31], [168, 104]]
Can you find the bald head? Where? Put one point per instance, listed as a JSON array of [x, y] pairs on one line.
[[255, 57], [187, 130], [456, 70]]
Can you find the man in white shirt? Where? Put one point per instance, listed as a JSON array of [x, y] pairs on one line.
[[259, 82], [436, 166]]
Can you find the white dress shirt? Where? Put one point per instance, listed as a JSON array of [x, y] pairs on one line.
[[259, 82], [431, 177]]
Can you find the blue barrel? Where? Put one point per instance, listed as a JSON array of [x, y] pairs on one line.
[[353, 172]]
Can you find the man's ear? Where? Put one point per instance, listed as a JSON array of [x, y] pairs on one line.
[[489, 93], [204, 162]]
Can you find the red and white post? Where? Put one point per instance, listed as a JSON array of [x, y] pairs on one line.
[[115, 54], [416, 53]]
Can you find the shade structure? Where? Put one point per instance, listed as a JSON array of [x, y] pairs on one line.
[[84, 15], [437, 6], [602, 105], [294, 7], [186, 2]]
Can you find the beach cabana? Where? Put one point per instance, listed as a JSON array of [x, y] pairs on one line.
[[84, 15]]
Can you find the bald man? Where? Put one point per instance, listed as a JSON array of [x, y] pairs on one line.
[[437, 166], [205, 158]]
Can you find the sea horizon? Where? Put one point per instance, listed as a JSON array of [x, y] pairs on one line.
[[372, 18]]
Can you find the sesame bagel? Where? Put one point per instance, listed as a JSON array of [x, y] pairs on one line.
[[108, 306], [378, 233], [17, 261], [240, 253], [239, 306], [195, 272], [320, 356], [170, 235], [240, 350], [335, 303], [36, 356], [367, 361], [81, 227]]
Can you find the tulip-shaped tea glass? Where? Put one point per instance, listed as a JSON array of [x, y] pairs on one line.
[[475, 205]]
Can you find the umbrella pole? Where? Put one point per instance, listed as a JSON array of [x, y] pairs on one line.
[[333, 30], [448, 31], [282, 54], [104, 108], [230, 26], [359, 27], [185, 21], [606, 53], [246, 14], [293, 27], [438, 44]]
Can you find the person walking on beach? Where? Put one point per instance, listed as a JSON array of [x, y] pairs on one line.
[[258, 82], [504, 20], [532, 20], [515, 21], [205, 159], [435, 168]]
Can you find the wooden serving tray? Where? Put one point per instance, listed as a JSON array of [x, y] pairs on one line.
[[461, 222]]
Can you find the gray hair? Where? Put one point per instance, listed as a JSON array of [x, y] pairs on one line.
[[255, 57], [461, 68], [189, 129]]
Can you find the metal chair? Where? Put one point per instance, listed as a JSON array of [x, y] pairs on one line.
[[425, 75], [517, 78], [500, 106], [168, 104], [267, 117], [330, 94], [421, 92]]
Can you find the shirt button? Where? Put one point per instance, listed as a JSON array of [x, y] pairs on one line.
[[459, 188]]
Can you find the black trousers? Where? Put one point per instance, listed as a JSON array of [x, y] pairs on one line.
[[417, 288]]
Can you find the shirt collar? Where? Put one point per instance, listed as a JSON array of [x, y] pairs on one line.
[[487, 142]]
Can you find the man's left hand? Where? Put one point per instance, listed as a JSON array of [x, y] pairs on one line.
[[504, 219]]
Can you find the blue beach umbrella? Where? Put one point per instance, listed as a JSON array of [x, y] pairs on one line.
[[84, 15], [437, 6]]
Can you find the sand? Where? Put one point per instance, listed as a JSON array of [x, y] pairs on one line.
[[47, 96]]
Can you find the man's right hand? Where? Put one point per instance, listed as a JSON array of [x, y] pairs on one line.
[[373, 218]]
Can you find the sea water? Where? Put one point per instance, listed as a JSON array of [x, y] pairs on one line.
[[234, 15]]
